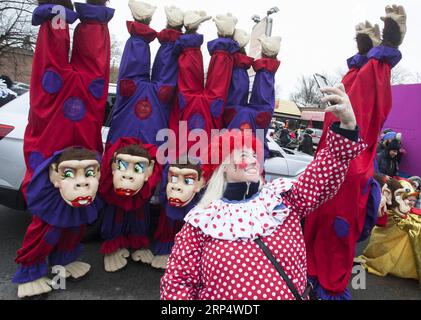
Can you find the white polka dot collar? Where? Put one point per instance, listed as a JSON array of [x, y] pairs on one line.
[[245, 220]]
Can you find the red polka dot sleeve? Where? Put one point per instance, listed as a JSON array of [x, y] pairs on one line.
[[325, 174], [182, 278]]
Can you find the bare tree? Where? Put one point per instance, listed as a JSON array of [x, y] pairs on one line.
[[116, 53], [307, 92], [16, 30], [400, 75]]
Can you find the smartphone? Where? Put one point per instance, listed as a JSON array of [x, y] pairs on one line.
[[322, 82]]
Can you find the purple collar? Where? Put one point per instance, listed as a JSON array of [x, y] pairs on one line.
[[45, 201]]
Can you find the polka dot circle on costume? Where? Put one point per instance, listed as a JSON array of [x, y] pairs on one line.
[[217, 108], [196, 122], [165, 93], [51, 82], [127, 87], [35, 159], [143, 109], [74, 109], [263, 119], [229, 114]]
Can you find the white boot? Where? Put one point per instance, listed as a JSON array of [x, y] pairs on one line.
[[270, 45], [242, 37], [141, 10], [193, 19], [225, 23], [175, 17]]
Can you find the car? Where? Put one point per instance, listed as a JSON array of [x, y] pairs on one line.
[[284, 162], [13, 119], [20, 88]]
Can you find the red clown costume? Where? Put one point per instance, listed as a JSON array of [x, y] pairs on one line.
[[332, 232], [68, 99], [67, 105], [199, 104]]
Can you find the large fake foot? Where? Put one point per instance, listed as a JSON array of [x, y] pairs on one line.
[[160, 262], [394, 26], [225, 23], [143, 255], [193, 19], [77, 269], [175, 17], [34, 288], [242, 37], [270, 46], [65, 3], [142, 11], [368, 36], [116, 261]]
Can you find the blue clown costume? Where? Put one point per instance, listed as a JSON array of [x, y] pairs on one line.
[[142, 109], [256, 113]]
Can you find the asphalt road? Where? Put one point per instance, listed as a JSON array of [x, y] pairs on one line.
[[139, 281]]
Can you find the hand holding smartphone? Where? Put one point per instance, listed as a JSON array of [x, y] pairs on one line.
[[322, 82]]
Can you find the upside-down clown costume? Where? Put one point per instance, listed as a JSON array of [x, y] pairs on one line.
[[332, 232], [67, 98], [240, 113], [201, 105], [61, 196], [126, 215]]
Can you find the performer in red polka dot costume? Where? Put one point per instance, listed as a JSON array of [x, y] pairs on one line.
[[215, 255]]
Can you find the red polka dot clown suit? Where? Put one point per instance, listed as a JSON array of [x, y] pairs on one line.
[[201, 105], [67, 106], [141, 110], [215, 255], [332, 232], [68, 99], [256, 114]]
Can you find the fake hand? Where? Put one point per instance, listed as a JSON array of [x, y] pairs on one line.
[[341, 106], [398, 14], [77, 269], [34, 288], [372, 31], [116, 261]]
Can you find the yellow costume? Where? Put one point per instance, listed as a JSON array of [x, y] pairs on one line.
[[396, 248]]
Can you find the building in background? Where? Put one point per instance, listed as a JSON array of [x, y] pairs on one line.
[[17, 64]]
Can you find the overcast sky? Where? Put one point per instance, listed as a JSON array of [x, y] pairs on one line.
[[317, 35]]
